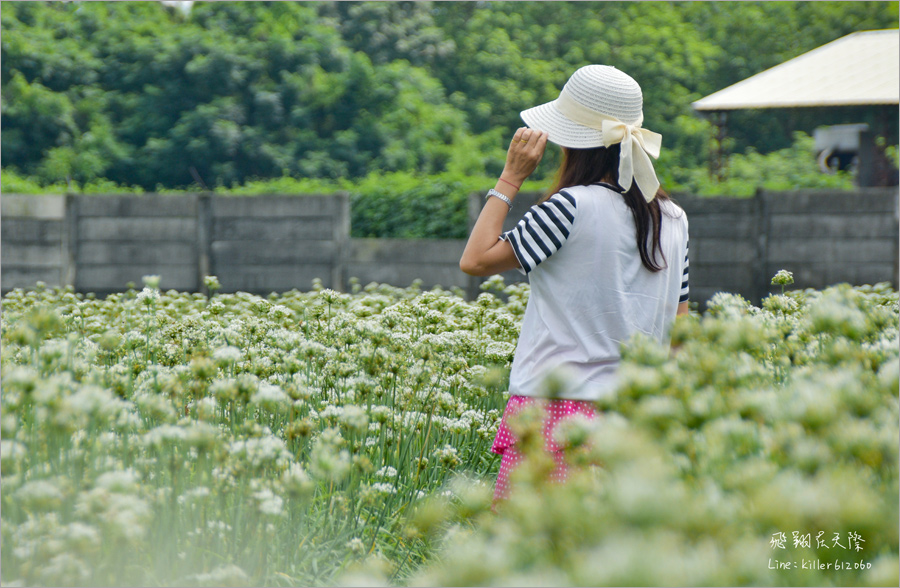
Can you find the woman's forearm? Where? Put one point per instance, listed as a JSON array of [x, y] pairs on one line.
[[484, 250], [485, 253]]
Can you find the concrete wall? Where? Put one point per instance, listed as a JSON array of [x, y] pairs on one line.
[[725, 250], [399, 262], [277, 243], [826, 237], [117, 239], [267, 243], [34, 238], [100, 243]]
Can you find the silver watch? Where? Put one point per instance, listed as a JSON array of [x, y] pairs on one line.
[[502, 197]]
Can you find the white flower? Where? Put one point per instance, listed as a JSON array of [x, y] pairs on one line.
[[155, 406], [151, 282], [279, 311], [192, 495], [269, 503], [355, 418], [81, 536], [295, 480], [225, 389], [12, 451], [327, 460], [65, 567], [780, 303], [206, 408], [227, 355], [727, 305], [387, 472], [201, 435], [499, 351], [123, 514], [448, 455], [162, 435], [381, 414], [384, 488], [148, 296], [227, 575], [458, 426], [87, 403], [356, 546], [270, 397], [211, 282], [331, 411], [21, 377], [260, 451], [783, 278], [120, 481], [39, 495]]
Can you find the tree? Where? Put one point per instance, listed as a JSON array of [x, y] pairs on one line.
[[138, 93]]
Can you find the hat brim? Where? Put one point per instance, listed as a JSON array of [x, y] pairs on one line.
[[560, 129]]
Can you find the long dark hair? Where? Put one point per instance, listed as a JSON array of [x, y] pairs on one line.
[[582, 167]]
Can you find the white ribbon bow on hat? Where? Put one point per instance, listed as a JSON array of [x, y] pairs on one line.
[[634, 161], [638, 144]]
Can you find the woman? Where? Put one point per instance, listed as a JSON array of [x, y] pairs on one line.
[[605, 254]]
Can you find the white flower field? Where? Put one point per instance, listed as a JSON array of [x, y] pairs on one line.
[[317, 438]]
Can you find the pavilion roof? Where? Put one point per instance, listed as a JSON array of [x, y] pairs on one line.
[[858, 69]]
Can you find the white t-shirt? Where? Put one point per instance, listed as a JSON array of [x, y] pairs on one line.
[[589, 290]]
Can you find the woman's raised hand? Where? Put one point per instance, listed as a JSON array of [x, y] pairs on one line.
[[525, 152]]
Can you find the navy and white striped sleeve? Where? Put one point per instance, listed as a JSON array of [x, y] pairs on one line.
[[685, 290], [542, 231]]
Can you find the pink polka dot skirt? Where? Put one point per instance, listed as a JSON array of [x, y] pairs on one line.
[[504, 442]]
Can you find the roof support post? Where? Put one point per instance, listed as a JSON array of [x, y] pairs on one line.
[[717, 156]]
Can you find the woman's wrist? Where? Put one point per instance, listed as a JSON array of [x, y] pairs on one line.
[[510, 174], [507, 185], [514, 184]]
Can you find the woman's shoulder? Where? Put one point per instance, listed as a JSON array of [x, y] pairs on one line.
[[673, 211], [672, 208], [585, 188], [591, 191]]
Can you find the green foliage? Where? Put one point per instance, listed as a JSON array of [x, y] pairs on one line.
[[767, 424], [139, 94], [15, 183], [238, 438], [405, 206], [891, 152], [792, 168], [325, 438], [12, 182]]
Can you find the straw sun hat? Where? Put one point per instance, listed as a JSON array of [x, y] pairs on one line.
[[600, 106]]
